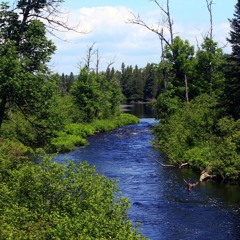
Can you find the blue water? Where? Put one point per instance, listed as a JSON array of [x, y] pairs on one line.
[[158, 195]]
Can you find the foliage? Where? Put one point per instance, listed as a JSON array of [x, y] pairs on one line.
[[75, 134], [235, 29], [196, 136], [56, 201], [95, 96], [231, 95], [27, 98], [167, 103], [209, 77]]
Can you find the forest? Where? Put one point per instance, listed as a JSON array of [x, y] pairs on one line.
[[195, 92]]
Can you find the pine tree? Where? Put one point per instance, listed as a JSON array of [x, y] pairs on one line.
[[232, 87], [234, 39]]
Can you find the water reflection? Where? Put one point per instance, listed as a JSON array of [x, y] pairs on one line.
[[141, 110]]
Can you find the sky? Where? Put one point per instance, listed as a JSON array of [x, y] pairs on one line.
[[118, 41]]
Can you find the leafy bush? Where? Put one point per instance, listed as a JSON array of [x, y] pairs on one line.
[[55, 201], [75, 134], [195, 136], [66, 142]]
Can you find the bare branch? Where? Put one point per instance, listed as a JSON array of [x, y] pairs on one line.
[[209, 7], [168, 17], [110, 63], [138, 21], [50, 13], [88, 58]]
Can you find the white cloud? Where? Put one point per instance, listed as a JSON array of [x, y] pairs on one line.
[[119, 40]]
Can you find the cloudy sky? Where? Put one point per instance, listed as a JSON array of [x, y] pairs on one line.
[[118, 41]]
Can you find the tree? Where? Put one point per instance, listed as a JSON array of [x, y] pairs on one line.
[[232, 88], [25, 50], [209, 7], [127, 81], [167, 22], [150, 88], [234, 38], [86, 92], [138, 94], [209, 77], [180, 55]]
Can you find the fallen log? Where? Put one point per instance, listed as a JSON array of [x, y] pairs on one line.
[[172, 165], [205, 176]]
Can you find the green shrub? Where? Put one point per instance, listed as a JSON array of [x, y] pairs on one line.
[[55, 201], [66, 142], [75, 134]]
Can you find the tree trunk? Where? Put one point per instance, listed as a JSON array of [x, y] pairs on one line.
[[2, 108], [186, 87]]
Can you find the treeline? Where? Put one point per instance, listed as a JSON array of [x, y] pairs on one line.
[[137, 84], [40, 110], [199, 107]]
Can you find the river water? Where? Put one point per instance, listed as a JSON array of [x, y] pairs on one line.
[[158, 195]]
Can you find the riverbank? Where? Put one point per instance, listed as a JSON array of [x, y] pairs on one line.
[[75, 134], [158, 195]]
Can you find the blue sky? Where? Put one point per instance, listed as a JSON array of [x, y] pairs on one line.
[[120, 42]]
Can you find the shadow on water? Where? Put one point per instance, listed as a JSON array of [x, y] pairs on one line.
[[141, 110], [158, 195]]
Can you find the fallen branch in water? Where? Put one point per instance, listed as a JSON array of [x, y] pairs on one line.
[[190, 186], [172, 165], [205, 176]]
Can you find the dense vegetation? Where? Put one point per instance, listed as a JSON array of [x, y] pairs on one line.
[[40, 110], [199, 108], [56, 201], [196, 93]]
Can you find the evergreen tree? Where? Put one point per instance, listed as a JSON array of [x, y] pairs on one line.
[[138, 84], [235, 32], [232, 88], [150, 89]]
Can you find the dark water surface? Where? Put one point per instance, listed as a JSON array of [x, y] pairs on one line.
[[159, 199]]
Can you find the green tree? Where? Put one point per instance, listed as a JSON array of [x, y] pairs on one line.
[[232, 88], [138, 85], [25, 50], [235, 32], [209, 76], [127, 81], [150, 88], [180, 55], [87, 95]]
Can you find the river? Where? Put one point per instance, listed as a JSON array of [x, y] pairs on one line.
[[158, 195]]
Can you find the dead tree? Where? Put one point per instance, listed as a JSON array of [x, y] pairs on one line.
[[168, 19], [167, 23], [89, 56], [97, 62], [209, 7]]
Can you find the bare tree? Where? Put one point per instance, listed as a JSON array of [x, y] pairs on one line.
[[209, 7], [97, 62], [89, 56], [167, 23], [110, 63]]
